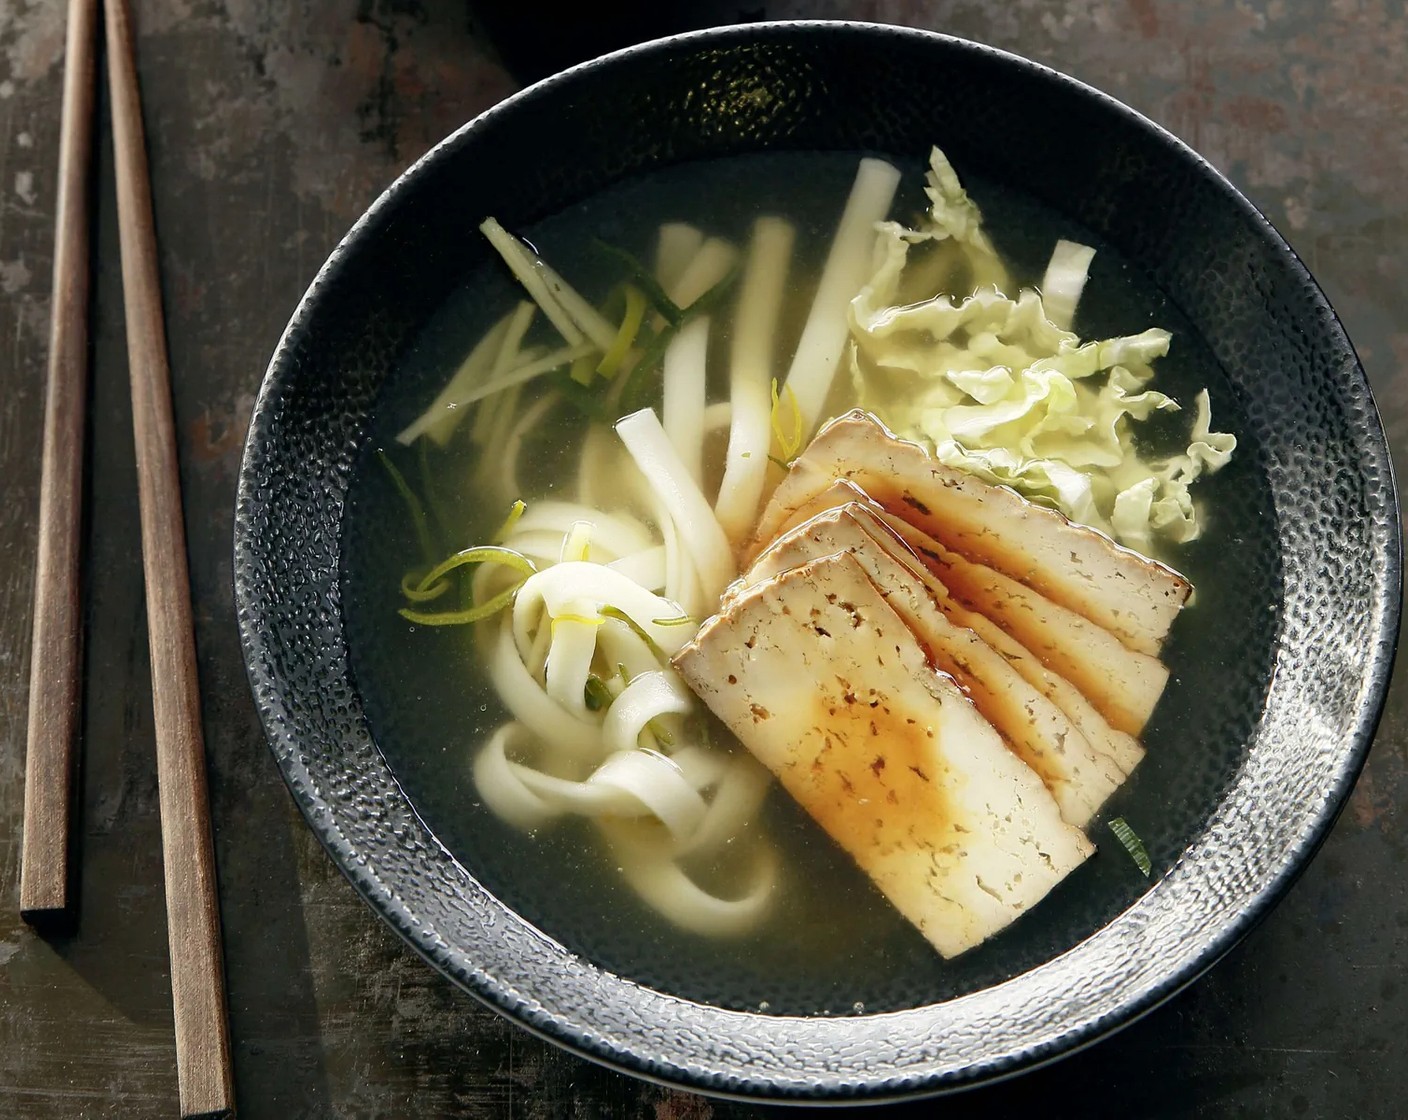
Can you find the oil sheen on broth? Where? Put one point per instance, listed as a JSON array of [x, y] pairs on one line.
[[831, 944]]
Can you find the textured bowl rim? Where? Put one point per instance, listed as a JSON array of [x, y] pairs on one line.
[[1094, 1021]]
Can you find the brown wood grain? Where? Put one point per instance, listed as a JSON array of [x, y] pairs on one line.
[[204, 1074], [55, 663]]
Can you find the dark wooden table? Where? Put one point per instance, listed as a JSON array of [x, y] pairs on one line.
[[272, 124]]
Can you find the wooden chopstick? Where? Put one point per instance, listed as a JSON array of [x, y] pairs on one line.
[[55, 659], [192, 904]]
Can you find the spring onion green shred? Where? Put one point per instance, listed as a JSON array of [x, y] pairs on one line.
[[1133, 845], [436, 515], [413, 505], [596, 695], [639, 385], [477, 613], [514, 513], [626, 336], [410, 587], [645, 283], [484, 554], [677, 620]]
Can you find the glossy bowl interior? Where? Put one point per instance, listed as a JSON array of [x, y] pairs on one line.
[[1286, 672]]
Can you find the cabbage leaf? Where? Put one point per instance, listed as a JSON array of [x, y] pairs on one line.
[[1001, 387]]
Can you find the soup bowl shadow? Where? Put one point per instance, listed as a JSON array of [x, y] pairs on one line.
[[1282, 705]]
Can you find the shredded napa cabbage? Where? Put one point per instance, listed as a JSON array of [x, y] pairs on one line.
[[1002, 388]]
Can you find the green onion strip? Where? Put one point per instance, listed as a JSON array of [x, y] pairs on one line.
[[636, 388], [485, 554], [515, 512], [646, 284], [413, 504], [626, 336], [1132, 844]]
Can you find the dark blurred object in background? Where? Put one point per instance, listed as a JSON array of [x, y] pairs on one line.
[[534, 41]]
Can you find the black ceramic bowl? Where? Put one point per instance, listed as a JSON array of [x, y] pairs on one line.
[[1279, 674]]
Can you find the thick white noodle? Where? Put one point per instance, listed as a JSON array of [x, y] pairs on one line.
[[847, 269], [647, 568], [710, 265], [701, 766], [501, 789], [565, 588], [660, 881], [693, 517], [647, 697], [619, 533], [543, 547], [654, 807], [657, 783], [622, 646], [686, 361], [447, 409], [570, 656], [537, 660], [530, 703], [717, 415], [635, 783], [676, 247], [751, 375], [742, 789], [681, 584]]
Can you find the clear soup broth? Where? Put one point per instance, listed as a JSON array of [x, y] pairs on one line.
[[831, 943]]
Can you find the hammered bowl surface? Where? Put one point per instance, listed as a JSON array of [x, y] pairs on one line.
[[1291, 702]]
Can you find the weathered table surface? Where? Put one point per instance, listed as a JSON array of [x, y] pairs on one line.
[[271, 125]]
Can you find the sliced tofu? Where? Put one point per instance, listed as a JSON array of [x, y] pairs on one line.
[[820, 678], [1123, 749], [1079, 776], [1132, 597], [1123, 685]]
